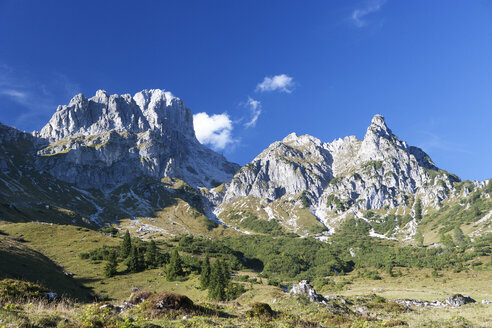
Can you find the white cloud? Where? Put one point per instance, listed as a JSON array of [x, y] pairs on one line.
[[16, 94], [359, 14], [282, 82], [255, 107], [214, 130]]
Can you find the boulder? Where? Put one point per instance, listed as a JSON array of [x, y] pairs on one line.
[[304, 288], [459, 300]]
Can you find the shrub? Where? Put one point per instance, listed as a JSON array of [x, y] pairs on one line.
[[260, 310], [165, 302], [17, 290]]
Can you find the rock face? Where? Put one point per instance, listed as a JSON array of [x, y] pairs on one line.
[[345, 176], [146, 110], [305, 289], [290, 166], [109, 140]]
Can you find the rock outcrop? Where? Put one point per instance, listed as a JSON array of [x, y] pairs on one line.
[[108, 140], [303, 288]]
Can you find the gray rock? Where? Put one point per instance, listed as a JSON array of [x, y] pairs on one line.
[[459, 300], [415, 302], [456, 300], [303, 288], [361, 309]]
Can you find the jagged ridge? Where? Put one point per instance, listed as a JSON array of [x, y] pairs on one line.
[[345, 176]]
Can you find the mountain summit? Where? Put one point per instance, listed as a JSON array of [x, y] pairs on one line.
[[147, 110], [107, 140]]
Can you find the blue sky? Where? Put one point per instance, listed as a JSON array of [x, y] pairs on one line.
[[266, 68]]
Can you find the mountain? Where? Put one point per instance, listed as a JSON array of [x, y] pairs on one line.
[[108, 140], [300, 182], [135, 161], [107, 158]]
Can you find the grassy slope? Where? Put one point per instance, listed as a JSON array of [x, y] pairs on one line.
[[420, 284], [63, 244], [288, 212], [469, 213], [19, 261]]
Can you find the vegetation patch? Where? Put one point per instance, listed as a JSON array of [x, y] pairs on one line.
[[17, 290], [261, 311]]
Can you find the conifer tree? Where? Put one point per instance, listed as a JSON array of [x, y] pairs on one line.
[[219, 280], [446, 240], [205, 274], [174, 268], [126, 245], [140, 260], [419, 239], [459, 236], [110, 269], [418, 209], [151, 256], [133, 260]]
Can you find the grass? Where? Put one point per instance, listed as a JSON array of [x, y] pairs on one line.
[[420, 284], [288, 211], [19, 261], [62, 245]]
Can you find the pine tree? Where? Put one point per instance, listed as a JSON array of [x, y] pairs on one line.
[[110, 269], [389, 269], [418, 210], [205, 274], [219, 280], [151, 256], [140, 260], [459, 237], [174, 268], [446, 240], [126, 245], [133, 261]]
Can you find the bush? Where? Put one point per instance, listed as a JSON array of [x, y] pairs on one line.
[[18, 290], [139, 296], [98, 254], [371, 274], [109, 230], [260, 310], [163, 302]]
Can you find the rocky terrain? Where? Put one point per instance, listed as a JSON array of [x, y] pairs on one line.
[[103, 158]]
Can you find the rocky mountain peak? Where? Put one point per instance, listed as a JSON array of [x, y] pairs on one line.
[[148, 109], [305, 140], [378, 127], [78, 99], [110, 139]]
